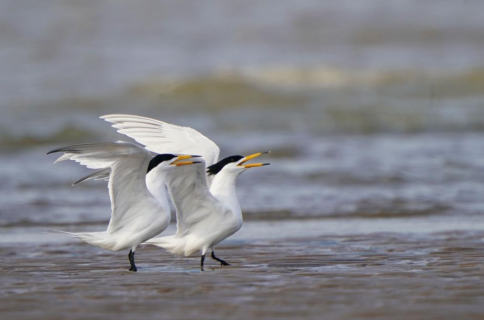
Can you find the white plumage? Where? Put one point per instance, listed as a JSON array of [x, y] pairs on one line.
[[203, 220], [136, 215], [207, 208], [163, 137]]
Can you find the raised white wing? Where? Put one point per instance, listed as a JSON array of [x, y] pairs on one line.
[[127, 187], [193, 201], [162, 137], [93, 155]]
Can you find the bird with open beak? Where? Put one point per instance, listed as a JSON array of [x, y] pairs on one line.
[[205, 216]]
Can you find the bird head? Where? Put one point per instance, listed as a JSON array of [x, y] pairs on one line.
[[235, 164], [168, 162]]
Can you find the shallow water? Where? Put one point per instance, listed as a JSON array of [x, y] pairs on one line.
[[372, 110], [372, 176]]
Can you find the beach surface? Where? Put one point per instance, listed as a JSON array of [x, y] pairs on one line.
[[280, 274]]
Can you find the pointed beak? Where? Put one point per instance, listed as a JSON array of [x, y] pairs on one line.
[[178, 161], [253, 165], [252, 156]]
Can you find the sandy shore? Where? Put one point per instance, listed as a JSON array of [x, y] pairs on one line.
[[371, 276]]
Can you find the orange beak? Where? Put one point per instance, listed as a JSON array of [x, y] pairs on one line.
[[253, 165], [179, 163]]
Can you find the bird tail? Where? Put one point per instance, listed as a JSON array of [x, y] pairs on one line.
[[98, 239], [170, 244]]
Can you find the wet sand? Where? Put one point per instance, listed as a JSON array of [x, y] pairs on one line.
[[369, 276]]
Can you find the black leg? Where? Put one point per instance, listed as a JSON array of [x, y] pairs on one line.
[[222, 263], [201, 262], [131, 261]]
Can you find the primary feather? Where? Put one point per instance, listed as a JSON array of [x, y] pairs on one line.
[[102, 174], [163, 137]]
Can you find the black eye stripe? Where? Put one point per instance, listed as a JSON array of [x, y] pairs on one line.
[[159, 159], [216, 168]]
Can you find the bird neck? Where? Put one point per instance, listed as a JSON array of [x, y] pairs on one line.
[[223, 189], [155, 182]]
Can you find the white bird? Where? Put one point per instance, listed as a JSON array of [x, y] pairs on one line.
[[205, 217], [136, 215]]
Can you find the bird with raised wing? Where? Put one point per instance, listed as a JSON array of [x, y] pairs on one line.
[[136, 215], [205, 217]]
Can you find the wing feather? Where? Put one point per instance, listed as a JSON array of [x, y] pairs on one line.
[[93, 155], [102, 174], [163, 137], [125, 164], [192, 199]]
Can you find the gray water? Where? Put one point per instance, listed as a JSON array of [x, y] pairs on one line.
[[374, 109]]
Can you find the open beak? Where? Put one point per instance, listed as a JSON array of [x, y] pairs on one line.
[[253, 165], [179, 160]]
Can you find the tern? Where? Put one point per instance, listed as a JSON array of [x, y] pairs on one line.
[[205, 217], [136, 215], [212, 212]]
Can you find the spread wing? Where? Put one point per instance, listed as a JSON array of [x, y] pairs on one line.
[[127, 187], [162, 137], [194, 203]]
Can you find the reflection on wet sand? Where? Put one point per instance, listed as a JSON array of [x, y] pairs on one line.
[[377, 276]]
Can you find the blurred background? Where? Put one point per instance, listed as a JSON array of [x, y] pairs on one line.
[[372, 108]]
